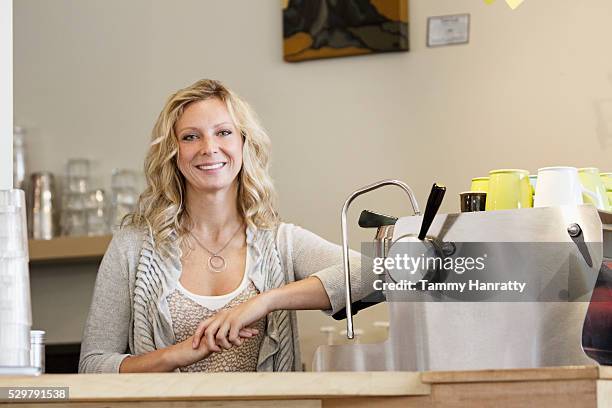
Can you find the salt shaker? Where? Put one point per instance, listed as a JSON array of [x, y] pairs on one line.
[[37, 349]]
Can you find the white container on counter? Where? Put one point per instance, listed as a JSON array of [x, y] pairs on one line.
[[37, 349], [15, 306]]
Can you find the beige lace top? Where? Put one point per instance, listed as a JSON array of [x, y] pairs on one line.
[[187, 314]]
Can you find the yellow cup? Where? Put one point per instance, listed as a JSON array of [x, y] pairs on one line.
[[607, 180], [509, 189], [533, 180], [480, 184], [590, 179]]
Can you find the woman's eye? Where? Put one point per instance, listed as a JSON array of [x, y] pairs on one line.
[[225, 132], [189, 137]]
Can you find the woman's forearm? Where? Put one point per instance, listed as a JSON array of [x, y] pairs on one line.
[[167, 359], [156, 361], [305, 294]]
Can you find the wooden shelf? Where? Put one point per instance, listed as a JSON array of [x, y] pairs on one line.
[[68, 249]]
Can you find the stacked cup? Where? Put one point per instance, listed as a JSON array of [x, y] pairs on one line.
[[552, 186], [75, 198], [97, 213], [124, 195], [15, 307]]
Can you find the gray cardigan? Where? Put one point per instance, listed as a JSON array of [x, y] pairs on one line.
[[109, 330]]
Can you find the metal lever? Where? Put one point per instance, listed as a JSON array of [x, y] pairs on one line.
[[370, 219], [345, 245], [431, 209]]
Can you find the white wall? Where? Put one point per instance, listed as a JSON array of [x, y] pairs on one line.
[[533, 88], [6, 94]]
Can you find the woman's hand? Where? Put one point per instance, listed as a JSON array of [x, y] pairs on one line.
[[224, 328], [183, 354]]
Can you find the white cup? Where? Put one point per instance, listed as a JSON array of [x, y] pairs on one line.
[[559, 186]]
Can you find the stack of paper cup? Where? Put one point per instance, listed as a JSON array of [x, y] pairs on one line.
[[15, 307]]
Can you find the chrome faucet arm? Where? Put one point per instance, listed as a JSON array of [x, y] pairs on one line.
[[345, 243]]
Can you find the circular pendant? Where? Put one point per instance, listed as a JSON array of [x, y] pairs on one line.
[[216, 263]]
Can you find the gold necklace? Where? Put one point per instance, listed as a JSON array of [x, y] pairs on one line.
[[216, 263]]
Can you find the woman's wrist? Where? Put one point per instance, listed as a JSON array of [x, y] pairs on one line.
[[271, 300], [161, 360], [169, 359]]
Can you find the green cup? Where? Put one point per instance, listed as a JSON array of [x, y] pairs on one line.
[[509, 189], [607, 180], [590, 179], [480, 184], [533, 181]]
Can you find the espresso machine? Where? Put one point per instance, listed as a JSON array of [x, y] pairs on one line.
[[558, 249]]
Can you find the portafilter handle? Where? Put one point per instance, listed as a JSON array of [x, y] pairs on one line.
[[345, 244]]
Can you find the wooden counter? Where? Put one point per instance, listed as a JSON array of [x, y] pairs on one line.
[[584, 386]]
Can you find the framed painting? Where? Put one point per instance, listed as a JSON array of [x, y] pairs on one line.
[[314, 29]]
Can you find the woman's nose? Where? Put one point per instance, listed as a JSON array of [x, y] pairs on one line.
[[208, 145]]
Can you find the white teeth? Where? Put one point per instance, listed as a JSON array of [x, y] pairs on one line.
[[212, 166]]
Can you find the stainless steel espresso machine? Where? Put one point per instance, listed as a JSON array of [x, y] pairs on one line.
[[561, 249]]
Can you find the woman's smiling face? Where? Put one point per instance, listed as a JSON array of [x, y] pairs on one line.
[[210, 146]]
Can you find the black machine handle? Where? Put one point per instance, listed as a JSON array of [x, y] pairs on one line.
[[433, 205], [371, 219]]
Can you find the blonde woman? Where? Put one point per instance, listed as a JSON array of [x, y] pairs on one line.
[[203, 276]]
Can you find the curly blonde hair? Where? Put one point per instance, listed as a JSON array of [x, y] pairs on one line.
[[161, 207]]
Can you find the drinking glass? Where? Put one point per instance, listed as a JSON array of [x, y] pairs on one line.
[[124, 195], [75, 197], [97, 213]]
